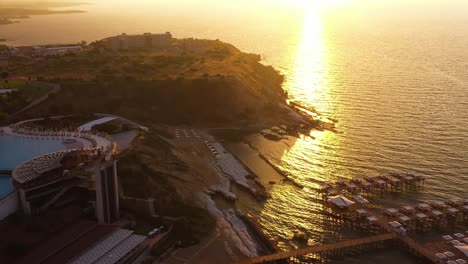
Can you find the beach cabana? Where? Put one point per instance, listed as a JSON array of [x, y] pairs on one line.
[[447, 237], [463, 249], [393, 181], [408, 209], [360, 200], [365, 185], [455, 201], [423, 207], [449, 254], [380, 183], [441, 256], [421, 216], [408, 178], [394, 224], [452, 210], [340, 201], [437, 204], [390, 211], [361, 212], [437, 213], [356, 180], [456, 243], [460, 261], [404, 218], [351, 187]]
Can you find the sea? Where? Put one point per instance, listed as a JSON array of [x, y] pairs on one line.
[[391, 75]]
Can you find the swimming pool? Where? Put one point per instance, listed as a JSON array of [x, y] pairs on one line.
[[14, 150], [5, 185]]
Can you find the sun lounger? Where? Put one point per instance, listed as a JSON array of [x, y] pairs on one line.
[[441, 256], [449, 254], [447, 237]]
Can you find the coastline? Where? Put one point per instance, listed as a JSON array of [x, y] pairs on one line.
[[211, 169], [15, 15]]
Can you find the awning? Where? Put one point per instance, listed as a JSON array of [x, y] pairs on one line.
[[463, 249], [340, 201], [394, 224]]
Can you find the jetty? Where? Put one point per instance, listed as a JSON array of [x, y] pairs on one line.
[[373, 184], [391, 227], [360, 242]]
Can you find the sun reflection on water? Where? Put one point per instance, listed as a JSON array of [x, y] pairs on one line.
[[309, 74], [308, 81], [309, 77]]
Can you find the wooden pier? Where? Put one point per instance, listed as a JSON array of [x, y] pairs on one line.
[[321, 248], [407, 242], [386, 227], [382, 224]]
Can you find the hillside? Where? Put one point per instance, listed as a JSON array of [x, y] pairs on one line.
[[191, 82]]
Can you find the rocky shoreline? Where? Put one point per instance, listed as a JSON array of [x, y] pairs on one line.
[[234, 93]]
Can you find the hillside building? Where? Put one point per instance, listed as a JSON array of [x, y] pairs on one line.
[[147, 41]]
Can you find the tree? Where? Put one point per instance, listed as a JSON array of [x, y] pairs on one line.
[[16, 249], [4, 76], [53, 109], [68, 108], [3, 116]]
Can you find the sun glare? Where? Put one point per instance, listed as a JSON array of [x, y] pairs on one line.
[[307, 4]]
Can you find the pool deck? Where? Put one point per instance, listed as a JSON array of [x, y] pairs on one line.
[[100, 141]]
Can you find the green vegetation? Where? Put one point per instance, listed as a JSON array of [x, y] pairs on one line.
[[24, 92], [204, 101], [16, 249], [112, 127], [68, 123], [190, 82], [147, 170], [32, 90]]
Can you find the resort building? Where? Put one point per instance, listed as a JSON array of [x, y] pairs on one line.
[[146, 41], [107, 192], [58, 178], [88, 242], [58, 168], [62, 50], [69, 176]]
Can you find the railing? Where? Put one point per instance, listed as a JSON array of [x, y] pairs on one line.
[[6, 171], [9, 204]]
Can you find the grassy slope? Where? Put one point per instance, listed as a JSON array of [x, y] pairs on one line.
[[32, 90], [193, 81], [27, 92], [145, 172], [188, 59]]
